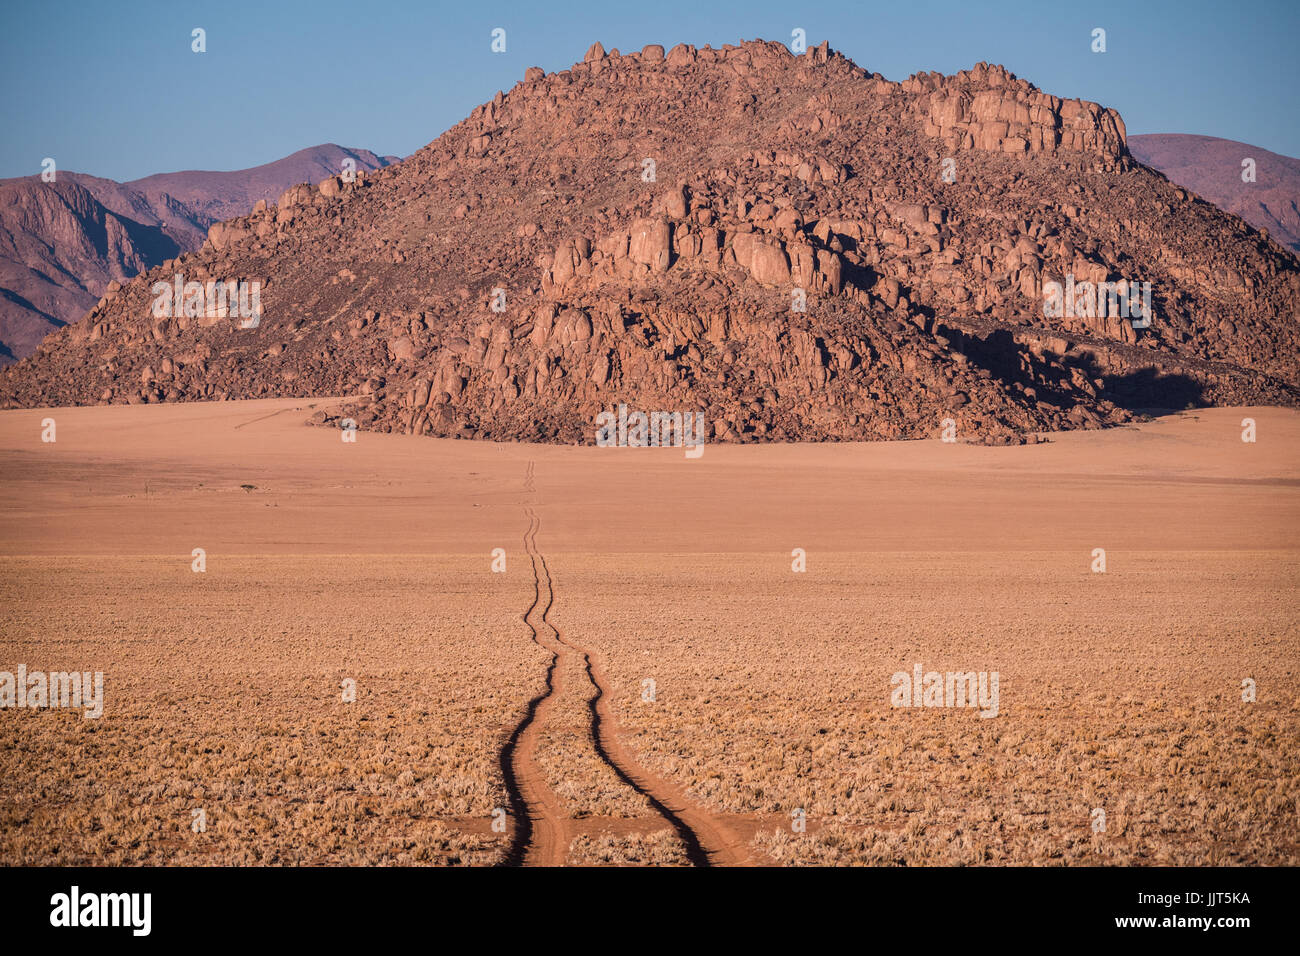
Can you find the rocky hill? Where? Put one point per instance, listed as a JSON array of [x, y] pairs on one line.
[[644, 228]]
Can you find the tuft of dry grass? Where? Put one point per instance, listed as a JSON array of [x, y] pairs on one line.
[[660, 848]]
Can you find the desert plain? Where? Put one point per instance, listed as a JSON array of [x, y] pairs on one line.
[[357, 675]]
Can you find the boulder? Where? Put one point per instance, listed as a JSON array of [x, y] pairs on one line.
[[651, 244]]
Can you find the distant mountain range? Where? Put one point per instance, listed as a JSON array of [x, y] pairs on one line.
[[1212, 168], [62, 243]]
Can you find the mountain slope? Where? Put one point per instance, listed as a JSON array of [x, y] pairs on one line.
[[216, 196], [57, 242], [1212, 167], [62, 243], [523, 272]]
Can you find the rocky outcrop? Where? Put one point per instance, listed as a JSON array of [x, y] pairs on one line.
[[989, 109]]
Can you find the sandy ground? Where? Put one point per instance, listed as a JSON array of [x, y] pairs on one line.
[[648, 681]]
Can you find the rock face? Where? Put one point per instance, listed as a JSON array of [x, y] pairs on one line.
[[793, 246], [63, 243]]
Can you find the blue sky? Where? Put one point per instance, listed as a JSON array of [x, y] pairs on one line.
[[113, 89]]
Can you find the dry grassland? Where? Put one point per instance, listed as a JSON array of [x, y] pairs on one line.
[[772, 694], [223, 693], [1119, 692]]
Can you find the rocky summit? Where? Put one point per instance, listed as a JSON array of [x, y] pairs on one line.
[[792, 246]]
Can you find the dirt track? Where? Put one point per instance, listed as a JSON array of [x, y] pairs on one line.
[[539, 838]]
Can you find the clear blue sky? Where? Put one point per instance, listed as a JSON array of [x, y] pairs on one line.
[[113, 89]]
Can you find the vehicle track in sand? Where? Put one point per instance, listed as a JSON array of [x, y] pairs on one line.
[[540, 834]]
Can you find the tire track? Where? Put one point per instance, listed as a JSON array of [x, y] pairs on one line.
[[708, 842], [262, 418], [540, 837]]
